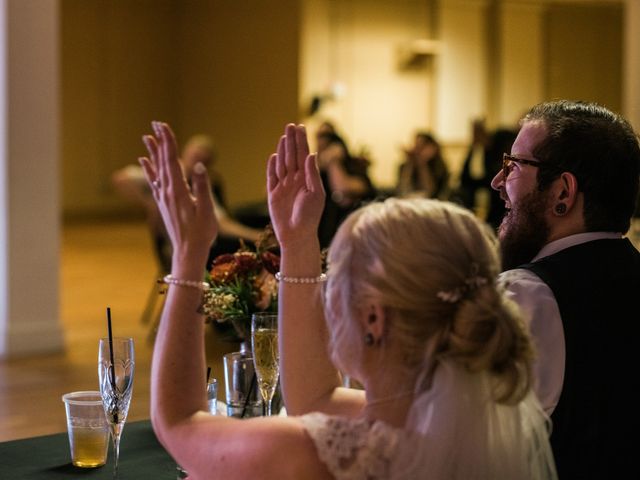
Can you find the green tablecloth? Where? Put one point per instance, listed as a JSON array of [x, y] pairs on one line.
[[141, 457]]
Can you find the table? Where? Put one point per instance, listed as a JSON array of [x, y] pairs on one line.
[[141, 457]]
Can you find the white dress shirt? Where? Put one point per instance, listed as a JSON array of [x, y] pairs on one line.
[[541, 313]]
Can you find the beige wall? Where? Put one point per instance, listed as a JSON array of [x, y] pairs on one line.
[[217, 67], [495, 58], [631, 63], [356, 44], [583, 48], [238, 81], [240, 70], [520, 66], [29, 221]]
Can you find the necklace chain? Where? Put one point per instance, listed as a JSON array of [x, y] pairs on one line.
[[389, 398]]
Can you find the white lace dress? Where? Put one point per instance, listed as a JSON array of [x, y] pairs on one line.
[[454, 432], [353, 449]]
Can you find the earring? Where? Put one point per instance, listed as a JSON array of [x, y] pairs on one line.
[[372, 318], [368, 339], [561, 209]]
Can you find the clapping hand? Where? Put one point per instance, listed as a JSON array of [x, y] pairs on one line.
[[187, 212], [295, 192]]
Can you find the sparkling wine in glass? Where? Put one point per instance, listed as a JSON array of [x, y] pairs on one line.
[[115, 373], [264, 342]]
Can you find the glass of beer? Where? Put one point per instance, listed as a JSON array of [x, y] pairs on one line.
[[87, 427]]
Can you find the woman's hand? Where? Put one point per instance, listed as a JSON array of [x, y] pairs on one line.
[[187, 213], [295, 192]]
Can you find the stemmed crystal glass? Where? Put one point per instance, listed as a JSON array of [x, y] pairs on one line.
[[264, 342], [115, 372]]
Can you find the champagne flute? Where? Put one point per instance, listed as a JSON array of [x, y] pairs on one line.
[[264, 342], [115, 371]]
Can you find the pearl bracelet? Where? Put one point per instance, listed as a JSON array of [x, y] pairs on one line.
[[170, 280], [319, 279]]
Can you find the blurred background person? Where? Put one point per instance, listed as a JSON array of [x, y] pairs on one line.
[[483, 160], [131, 184], [424, 172], [474, 177], [345, 179]]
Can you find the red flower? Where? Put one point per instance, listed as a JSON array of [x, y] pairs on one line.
[[243, 282], [270, 261], [247, 262], [229, 266]]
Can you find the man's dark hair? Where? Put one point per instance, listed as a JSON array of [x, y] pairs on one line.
[[601, 149]]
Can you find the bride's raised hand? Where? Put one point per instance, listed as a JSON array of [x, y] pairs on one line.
[[187, 212], [294, 188]]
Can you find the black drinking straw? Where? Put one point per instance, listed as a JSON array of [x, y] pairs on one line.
[[208, 375], [113, 370], [246, 400]]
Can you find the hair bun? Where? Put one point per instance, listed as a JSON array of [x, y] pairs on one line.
[[487, 333]]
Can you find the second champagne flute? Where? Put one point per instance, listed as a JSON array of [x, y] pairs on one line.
[[115, 371], [264, 342]]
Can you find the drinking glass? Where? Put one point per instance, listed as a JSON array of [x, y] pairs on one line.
[[241, 392], [115, 372], [87, 427], [264, 342], [212, 396]]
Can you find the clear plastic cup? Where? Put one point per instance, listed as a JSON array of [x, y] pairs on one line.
[[87, 427]]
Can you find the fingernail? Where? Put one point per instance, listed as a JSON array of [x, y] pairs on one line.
[[199, 168]]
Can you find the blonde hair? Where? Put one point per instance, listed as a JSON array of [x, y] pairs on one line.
[[404, 253]]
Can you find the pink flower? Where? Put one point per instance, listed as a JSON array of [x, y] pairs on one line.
[[266, 289]]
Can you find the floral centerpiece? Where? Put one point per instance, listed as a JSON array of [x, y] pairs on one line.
[[243, 283]]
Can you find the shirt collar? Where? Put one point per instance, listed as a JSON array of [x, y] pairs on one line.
[[572, 240]]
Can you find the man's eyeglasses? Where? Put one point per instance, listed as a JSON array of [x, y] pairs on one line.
[[508, 160]]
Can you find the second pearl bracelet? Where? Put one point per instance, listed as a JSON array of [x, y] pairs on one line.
[[171, 280], [319, 279]]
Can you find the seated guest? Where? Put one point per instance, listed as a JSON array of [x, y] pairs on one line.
[[443, 356], [345, 179], [424, 171], [131, 184], [570, 187]]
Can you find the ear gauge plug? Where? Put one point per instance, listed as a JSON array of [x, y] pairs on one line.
[[372, 318], [561, 209]]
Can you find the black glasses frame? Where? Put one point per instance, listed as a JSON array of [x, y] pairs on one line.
[[508, 159]]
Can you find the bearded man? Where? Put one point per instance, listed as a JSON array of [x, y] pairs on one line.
[[570, 187]]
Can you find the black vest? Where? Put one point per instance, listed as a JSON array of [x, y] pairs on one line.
[[596, 424]]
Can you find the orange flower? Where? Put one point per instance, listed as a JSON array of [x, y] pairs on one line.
[[224, 271], [243, 282]]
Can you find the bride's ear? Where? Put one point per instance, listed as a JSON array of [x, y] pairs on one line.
[[374, 323]]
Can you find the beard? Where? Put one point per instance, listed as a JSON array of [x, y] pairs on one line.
[[523, 231]]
